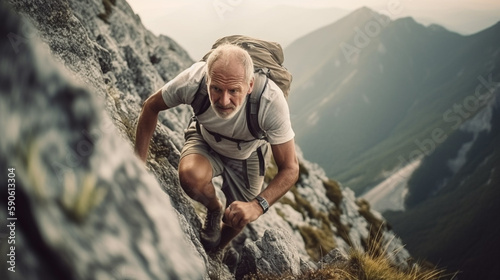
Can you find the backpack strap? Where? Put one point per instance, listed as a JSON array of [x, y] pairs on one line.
[[253, 104], [218, 137], [201, 102]]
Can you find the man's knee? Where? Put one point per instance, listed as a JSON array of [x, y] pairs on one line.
[[192, 179], [195, 173]]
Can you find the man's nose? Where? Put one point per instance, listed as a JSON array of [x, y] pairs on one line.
[[225, 99]]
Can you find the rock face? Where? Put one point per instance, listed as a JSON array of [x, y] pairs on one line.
[[86, 206], [273, 254]]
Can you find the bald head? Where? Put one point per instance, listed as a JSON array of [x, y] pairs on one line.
[[227, 55]]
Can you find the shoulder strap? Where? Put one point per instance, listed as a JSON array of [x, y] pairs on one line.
[[253, 104], [201, 102]]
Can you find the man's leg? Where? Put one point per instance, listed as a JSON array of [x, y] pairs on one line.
[[243, 180], [227, 235], [231, 255], [195, 174]]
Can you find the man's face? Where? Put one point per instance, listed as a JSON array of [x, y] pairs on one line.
[[228, 88]]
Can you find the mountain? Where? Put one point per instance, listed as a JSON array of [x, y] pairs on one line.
[[451, 215], [371, 95], [464, 21], [368, 105], [80, 205]]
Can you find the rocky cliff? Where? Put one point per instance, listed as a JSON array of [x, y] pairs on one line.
[[73, 77]]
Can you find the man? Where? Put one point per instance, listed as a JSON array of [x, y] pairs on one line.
[[230, 78]]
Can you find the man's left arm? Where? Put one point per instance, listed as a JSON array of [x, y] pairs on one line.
[[239, 214], [288, 172]]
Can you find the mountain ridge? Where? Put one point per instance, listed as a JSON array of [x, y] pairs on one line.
[[410, 91], [352, 87], [449, 206]]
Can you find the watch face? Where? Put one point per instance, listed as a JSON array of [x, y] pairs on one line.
[[263, 203]]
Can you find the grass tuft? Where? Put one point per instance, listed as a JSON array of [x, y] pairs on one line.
[[364, 266], [317, 241], [333, 191], [373, 264]]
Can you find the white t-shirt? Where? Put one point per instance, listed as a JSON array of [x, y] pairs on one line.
[[274, 115]]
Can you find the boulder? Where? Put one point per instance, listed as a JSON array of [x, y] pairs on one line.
[[273, 254]]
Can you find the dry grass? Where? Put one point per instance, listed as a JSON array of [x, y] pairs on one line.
[[318, 241], [370, 265], [333, 191], [362, 266]]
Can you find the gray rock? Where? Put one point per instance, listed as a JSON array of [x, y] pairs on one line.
[[273, 254], [85, 206], [334, 256]]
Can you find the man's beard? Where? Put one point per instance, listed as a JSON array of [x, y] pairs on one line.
[[225, 115]]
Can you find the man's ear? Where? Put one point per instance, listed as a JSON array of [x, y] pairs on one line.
[[251, 85]]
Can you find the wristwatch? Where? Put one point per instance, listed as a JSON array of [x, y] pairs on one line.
[[263, 203]]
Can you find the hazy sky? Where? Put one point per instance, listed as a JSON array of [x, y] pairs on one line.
[[155, 5], [190, 21]]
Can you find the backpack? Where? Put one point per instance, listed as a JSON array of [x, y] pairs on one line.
[[268, 59]]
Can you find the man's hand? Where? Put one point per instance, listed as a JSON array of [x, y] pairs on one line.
[[240, 213]]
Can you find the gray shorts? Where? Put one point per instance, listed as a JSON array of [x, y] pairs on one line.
[[241, 179]]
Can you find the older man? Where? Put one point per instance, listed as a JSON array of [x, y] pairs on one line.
[[230, 79]]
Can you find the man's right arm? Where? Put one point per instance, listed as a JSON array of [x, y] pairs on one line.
[[147, 123]]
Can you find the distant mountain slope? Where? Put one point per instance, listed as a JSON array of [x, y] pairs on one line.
[[366, 104], [452, 215], [370, 93]]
